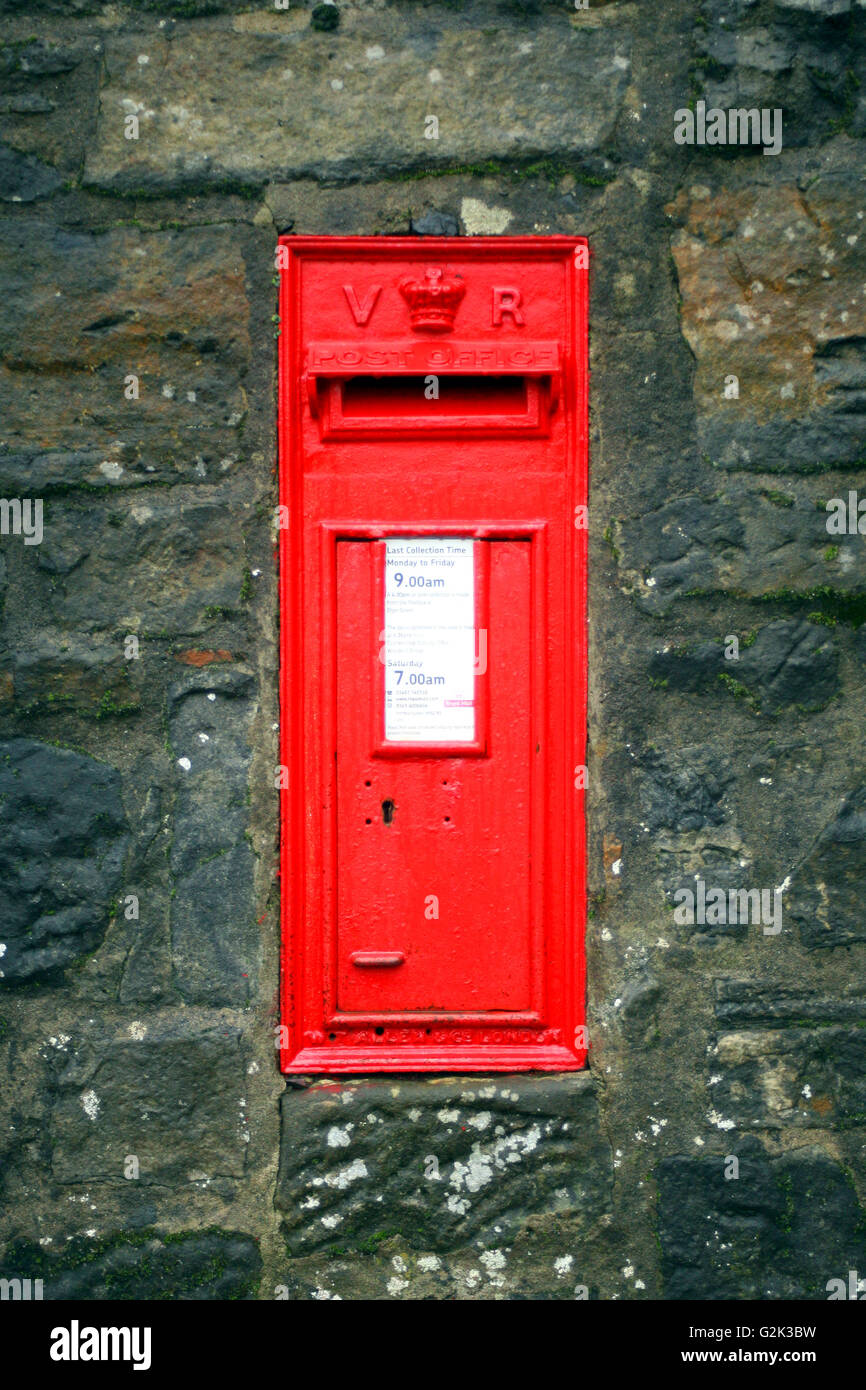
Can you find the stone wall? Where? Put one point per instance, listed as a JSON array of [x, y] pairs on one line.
[[150, 1147]]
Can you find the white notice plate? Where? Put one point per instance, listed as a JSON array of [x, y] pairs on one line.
[[429, 648]]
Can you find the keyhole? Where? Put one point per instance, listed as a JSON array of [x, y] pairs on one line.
[[387, 812]]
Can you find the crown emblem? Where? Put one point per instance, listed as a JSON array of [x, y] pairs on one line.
[[433, 301]]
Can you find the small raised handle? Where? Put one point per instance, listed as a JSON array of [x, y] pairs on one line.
[[376, 960]]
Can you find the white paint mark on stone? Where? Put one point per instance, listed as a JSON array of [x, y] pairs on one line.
[[481, 1120], [339, 1138], [184, 763], [726, 330], [494, 1262], [341, 1179], [479, 1169], [562, 1265], [493, 1259], [90, 1101], [480, 219]]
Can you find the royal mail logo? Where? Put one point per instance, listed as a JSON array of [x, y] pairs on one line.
[[434, 301]]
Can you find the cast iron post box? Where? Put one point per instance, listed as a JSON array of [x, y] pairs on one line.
[[433, 471]]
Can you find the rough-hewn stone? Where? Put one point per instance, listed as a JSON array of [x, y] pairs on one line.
[[801, 1077], [62, 844], [779, 1230], [296, 102], [784, 663], [741, 543], [770, 278], [82, 312], [143, 1264], [213, 937], [828, 885], [444, 1164], [169, 1093]]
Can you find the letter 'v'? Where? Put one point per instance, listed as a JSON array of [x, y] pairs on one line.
[[361, 312]]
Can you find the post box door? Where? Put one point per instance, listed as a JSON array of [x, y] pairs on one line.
[[433, 847]]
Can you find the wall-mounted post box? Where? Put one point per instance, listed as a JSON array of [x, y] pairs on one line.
[[433, 471]]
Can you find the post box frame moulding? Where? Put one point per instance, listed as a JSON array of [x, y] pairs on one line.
[[503, 321]]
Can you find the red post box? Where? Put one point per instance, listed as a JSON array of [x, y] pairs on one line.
[[433, 473]]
